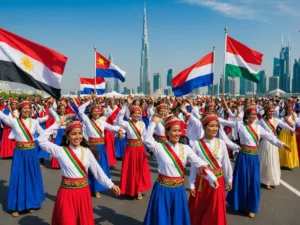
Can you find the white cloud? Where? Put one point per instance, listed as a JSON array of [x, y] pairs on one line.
[[287, 10], [226, 8]]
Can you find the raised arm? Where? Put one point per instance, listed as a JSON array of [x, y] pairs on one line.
[[43, 119], [47, 145], [284, 125], [149, 140], [9, 121]]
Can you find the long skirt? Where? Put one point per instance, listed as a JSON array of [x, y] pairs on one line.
[[167, 206], [209, 205], [26, 190], [298, 141], [135, 175], [245, 193], [95, 186], [146, 121], [269, 163], [73, 207], [7, 144], [288, 159], [110, 147], [41, 153], [57, 140], [120, 145]]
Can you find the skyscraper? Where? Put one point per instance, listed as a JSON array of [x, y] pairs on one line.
[[144, 69], [116, 81], [227, 81], [276, 67], [107, 86], [296, 76], [216, 90], [273, 83], [246, 86], [156, 82], [262, 85], [285, 67], [169, 77]]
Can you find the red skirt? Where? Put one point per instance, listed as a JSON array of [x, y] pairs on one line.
[[110, 147], [73, 207], [7, 145], [298, 141], [209, 205], [135, 175], [54, 163]]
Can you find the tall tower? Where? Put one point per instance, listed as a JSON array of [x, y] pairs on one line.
[[116, 81], [285, 68], [144, 69]]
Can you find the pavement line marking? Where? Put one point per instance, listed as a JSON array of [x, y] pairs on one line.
[[295, 191]]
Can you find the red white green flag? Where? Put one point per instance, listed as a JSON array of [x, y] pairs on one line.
[[242, 61]]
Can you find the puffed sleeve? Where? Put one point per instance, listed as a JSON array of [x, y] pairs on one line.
[[9, 121], [226, 165], [120, 116], [48, 146], [149, 140]]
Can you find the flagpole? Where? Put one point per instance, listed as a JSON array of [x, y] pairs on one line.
[[224, 66], [95, 68], [213, 68], [78, 93]]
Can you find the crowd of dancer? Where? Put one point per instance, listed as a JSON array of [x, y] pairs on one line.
[[84, 137]]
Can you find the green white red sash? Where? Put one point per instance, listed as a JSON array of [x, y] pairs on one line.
[[177, 162], [76, 162], [97, 128], [208, 155], [288, 122], [252, 133], [135, 130], [270, 125], [25, 130]]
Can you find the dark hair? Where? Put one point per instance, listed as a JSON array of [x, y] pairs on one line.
[[245, 118], [84, 143]]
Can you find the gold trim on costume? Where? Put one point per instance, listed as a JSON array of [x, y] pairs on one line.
[[25, 145]]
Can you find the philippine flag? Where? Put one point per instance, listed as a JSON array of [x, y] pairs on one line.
[[198, 75], [104, 68], [87, 85]]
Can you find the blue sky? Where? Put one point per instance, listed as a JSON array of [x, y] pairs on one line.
[[180, 31]]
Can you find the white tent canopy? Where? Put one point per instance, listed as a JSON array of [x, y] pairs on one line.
[[113, 94]]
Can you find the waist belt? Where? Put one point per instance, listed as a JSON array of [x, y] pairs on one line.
[[22, 145], [74, 182], [134, 142], [250, 150], [170, 181], [161, 139], [96, 141]]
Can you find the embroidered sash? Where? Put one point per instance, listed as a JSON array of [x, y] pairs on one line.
[[177, 162], [208, 155], [252, 133], [76, 162], [270, 125], [25, 130], [288, 122], [97, 128], [135, 130]]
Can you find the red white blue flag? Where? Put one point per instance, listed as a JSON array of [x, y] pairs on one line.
[[198, 75], [105, 68], [88, 85]]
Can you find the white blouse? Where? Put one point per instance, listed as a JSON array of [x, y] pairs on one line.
[[290, 119], [89, 129], [16, 133], [165, 164], [221, 157], [275, 122], [130, 132], [68, 169]]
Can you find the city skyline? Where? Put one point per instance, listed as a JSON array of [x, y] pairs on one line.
[[180, 32]]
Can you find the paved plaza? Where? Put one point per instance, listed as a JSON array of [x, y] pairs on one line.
[[280, 206]]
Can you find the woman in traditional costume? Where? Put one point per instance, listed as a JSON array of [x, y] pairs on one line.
[[8, 144], [73, 204], [168, 202], [94, 127], [135, 175], [245, 193], [26, 191], [268, 154], [206, 204], [61, 111], [289, 159]]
